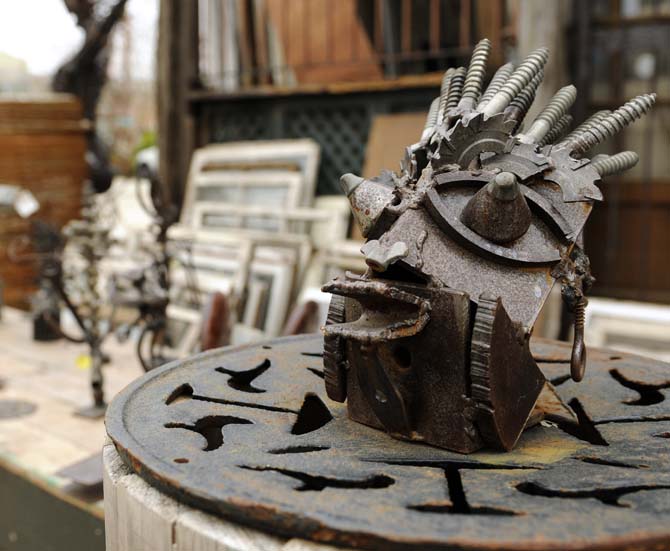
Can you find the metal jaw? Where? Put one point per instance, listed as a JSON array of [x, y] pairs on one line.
[[427, 364]]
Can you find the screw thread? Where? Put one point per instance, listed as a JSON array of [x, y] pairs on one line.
[[580, 314], [553, 111], [431, 119], [455, 88], [613, 123], [593, 119], [444, 92], [523, 74], [502, 74], [616, 163], [521, 103], [557, 130], [472, 88]]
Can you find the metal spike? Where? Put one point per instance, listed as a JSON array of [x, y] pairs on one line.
[[431, 119], [616, 163], [472, 88], [554, 110], [455, 88], [557, 130], [502, 74], [349, 182], [524, 73], [612, 123], [596, 117], [520, 105], [444, 91]]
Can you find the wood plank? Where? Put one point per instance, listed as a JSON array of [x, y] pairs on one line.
[[42, 147], [639, 267], [113, 470], [199, 531], [320, 55], [146, 516], [261, 41], [387, 140], [544, 24], [490, 25], [426, 80], [177, 69]]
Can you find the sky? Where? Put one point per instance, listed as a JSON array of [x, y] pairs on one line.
[[44, 34]]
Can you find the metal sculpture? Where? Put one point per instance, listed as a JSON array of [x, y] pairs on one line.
[[85, 74], [148, 289], [91, 241], [77, 288], [463, 248], [48, 244]]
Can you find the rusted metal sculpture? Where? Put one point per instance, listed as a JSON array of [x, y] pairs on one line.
[[463, 246], [432, 345], [91, 240]]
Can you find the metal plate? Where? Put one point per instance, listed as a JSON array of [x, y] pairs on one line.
[[248, 433]]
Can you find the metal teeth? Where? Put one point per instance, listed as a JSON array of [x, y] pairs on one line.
[[612, 123], [502, 74], [431, 119], [616, 163], [474, 78], [593, 119], [444, 91], [455, 88], [554, 110], [557, 130], [520, 105], [524, 73]]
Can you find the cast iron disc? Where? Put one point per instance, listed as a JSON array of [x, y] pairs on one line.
[[248, 433]]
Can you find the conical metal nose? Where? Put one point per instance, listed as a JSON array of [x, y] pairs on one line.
[[498, 212], [367, 199], [349, 182], [504, 187]]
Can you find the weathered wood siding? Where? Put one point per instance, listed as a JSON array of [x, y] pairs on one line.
[[42, 147]]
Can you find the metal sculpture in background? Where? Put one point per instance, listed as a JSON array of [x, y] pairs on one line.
[[85, 74], [48, 244], [90, 240], [148, 289], [463, 248], [76, 285]]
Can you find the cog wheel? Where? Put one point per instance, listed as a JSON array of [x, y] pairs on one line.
[[501, 366], [334, 359]]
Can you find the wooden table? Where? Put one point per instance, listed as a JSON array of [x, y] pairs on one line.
[[37, 505]]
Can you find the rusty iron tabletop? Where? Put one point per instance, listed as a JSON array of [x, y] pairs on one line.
[[248, 433]]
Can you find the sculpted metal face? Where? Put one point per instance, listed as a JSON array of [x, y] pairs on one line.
[[463, 248]]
